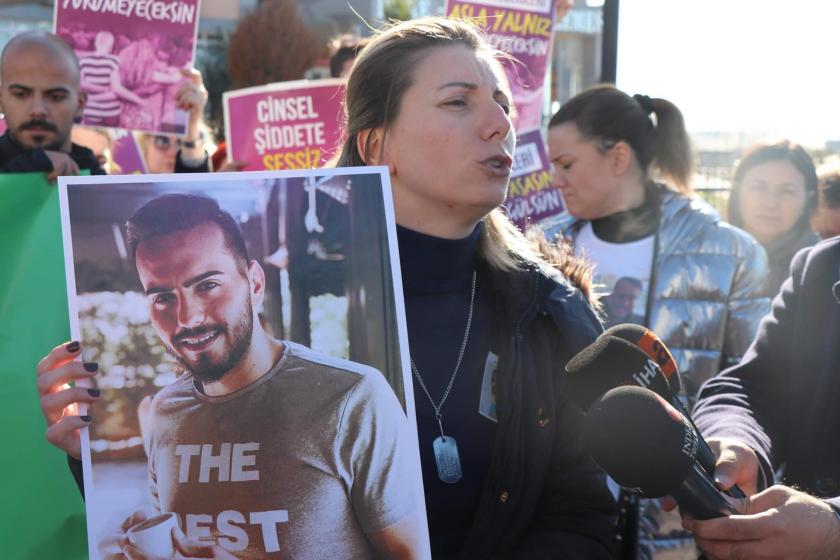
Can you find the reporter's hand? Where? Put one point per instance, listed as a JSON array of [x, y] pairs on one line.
[[62, 164], [59, 402], [736, 463], [777, 523]]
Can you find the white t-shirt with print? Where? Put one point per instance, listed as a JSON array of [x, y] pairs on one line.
[[630, 263]]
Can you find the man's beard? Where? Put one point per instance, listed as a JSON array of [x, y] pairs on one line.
[[207, 370], [39, 140]]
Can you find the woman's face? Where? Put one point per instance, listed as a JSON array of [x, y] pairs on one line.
[[160, 153], [772, 198], [451, 145], [584, 174], [95, 141]]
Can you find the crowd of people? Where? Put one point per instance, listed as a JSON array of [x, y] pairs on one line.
[[429, 100]]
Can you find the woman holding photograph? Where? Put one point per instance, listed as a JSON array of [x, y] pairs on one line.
[[491, 322], [492, 317]]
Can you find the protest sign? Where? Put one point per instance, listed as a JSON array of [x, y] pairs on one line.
[[531, 198], [131, 55], [126, 153], [523, 29], [262, 433], [287, 125], [42, 514]]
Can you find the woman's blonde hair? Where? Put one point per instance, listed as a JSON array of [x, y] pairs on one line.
[[382, 73]]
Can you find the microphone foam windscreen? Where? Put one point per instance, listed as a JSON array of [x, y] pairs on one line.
[[612, 362], [640, 440], [653, 346]]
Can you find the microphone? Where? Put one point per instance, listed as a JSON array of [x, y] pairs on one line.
[[611, 361], [650, 449], [654, 347]]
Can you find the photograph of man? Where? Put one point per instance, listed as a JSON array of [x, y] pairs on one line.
[[262, 447], [619, 304]]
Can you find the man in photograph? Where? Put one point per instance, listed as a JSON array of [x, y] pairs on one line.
[[262, 446], [620, 303]]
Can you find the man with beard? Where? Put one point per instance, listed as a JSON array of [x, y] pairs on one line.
[[262, 446], [41, 98]]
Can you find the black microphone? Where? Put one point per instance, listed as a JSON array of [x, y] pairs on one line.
[[611, 361], [650, 449], [654, 347]]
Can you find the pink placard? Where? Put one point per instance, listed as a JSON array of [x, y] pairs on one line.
[[131, 54], [286, 125], [126, 153], [531, 197], [523, 29]]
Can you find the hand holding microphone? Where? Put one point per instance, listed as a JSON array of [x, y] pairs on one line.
[[651, 449], [737, 465]]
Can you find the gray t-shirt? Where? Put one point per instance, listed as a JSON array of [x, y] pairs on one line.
[[300, 464]]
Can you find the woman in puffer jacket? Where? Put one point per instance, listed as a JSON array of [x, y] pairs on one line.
[[664, 258]]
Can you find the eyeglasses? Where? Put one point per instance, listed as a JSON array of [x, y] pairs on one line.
[[164, 143]]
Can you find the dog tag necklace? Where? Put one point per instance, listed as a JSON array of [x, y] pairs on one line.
[[445, 447]]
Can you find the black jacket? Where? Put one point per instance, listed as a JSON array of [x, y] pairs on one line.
[[16, 159], [543, 496], [782, 398]]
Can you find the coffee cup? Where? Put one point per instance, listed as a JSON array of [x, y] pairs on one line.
[[154, 535]]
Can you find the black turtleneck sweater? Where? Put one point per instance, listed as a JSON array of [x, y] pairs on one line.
[[437, 276]]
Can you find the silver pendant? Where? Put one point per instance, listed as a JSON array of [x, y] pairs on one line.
[[447, 459]]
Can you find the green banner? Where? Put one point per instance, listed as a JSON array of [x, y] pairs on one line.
[[42, 513]]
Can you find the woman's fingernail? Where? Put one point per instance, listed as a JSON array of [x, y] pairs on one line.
[[72, 347], [85, 418], [94, 392], [91, 366]]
